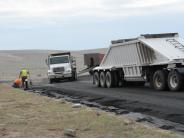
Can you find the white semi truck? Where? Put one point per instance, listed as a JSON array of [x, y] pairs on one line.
[[61, 66], [154, 58]]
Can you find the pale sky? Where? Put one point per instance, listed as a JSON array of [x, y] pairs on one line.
[[84, 24]]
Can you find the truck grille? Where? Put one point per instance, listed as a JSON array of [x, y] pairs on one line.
[[59, 70]]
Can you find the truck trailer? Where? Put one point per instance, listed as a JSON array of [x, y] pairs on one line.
[[61, 66], [154, 58]]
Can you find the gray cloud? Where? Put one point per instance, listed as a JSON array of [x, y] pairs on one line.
[[67, 9]]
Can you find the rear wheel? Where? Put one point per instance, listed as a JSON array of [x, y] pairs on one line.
[[109, 79], [175, 81], [102, 79], [96, 79], [160, 80]]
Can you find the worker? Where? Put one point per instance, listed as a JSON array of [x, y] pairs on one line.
[[24, 74], [17, 83]]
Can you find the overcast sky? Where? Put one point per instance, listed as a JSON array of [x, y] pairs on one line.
[[84, 24]]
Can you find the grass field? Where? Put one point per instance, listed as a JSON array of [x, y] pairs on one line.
[[28, 115]]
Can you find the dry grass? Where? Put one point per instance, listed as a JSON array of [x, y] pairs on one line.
[[12, 61], [30, 115]]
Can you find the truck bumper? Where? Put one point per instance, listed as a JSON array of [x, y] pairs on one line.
[[59, 76]]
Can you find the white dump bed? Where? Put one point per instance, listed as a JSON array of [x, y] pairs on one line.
[[170, 47], [132, 55], [151, 49]]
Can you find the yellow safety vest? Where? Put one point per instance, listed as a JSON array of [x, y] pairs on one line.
[[24, 73]]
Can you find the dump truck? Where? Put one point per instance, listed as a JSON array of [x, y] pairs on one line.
[[61, 66], [154, 58]]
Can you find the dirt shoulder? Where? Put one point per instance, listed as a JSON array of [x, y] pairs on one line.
[[24, 114]]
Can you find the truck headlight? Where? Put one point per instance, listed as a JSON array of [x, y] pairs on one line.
[[49, 72], [68, 71]]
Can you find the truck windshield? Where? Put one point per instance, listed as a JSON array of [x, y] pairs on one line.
[[59, 60]]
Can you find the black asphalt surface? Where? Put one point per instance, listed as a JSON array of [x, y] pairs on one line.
[[161, 104]]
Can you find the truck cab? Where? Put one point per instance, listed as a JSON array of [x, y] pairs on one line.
[[61, 66]]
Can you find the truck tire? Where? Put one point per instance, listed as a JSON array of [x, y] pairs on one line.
[[160, 80], [102, 79], [109, 79], [175, 81], [96, 79]]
